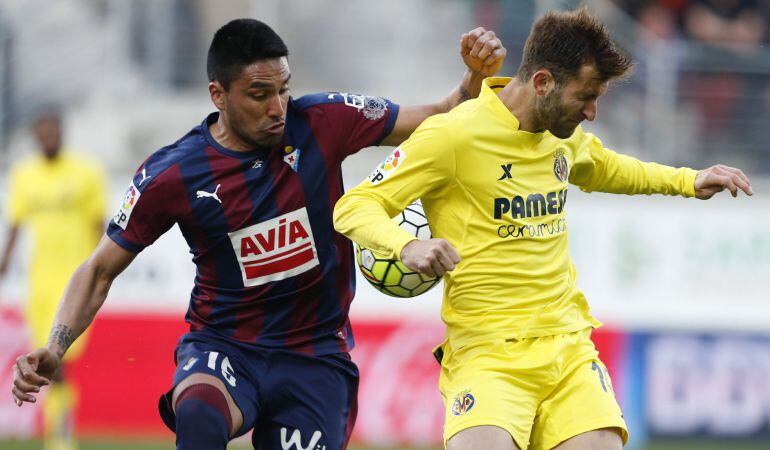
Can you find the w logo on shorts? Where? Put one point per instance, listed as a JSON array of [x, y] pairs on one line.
[[463, 403]]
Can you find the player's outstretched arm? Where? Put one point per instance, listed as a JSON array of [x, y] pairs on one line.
[[483, 54], [10, 244], [83, 297], [718, 178]]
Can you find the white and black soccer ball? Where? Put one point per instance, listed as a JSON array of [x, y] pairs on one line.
[[391, 276]]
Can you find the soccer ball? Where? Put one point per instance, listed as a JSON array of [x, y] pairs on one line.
[[391, 276]]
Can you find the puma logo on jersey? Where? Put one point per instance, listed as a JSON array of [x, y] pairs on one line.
[[144, 176], [203, 194], [275, 249]]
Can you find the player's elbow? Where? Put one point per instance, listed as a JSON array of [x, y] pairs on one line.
[[342, 214]]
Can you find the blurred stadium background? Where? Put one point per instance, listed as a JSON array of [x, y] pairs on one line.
[[681, 285]]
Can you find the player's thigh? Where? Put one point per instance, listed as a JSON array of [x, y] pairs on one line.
[[312, 402], [485, 385], [202, 359], [582, 402], [602, 439], [202, 378], [482, 437]]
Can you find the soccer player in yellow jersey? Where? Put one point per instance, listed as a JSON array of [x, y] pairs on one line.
[[60, 198], [519, 370]]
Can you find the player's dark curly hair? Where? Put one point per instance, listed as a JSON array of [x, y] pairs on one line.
[[239, 43], [563, 41]]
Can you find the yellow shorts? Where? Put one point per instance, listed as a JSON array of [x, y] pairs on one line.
[[543, 390]]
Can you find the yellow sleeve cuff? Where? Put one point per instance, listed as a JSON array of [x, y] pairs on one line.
[[688, 189], [399, 244]]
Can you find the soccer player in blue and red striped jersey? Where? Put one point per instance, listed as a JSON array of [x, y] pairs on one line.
[[252, 189]]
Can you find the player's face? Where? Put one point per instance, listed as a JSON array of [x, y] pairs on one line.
[[255, 103], [48, 135], [563, 109]]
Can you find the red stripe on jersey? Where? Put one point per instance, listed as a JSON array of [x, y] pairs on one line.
[[328, 144], [290, 196], [200, 311], [238, 209]]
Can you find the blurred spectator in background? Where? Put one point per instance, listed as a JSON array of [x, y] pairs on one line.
[[59, 197], [733, 25], [715, 50], [730, 32], [659, 19]]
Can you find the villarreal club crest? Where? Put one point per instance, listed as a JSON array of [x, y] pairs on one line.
[[463, 403], [391, 276], [560, 166]]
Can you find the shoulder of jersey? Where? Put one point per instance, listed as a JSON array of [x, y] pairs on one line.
[[26, 163], [153, 167], [322, 98], [83, 162]]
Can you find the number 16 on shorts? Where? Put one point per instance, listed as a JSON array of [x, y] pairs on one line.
[[213, 358]]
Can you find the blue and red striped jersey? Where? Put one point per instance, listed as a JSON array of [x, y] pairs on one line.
[[271, 269]]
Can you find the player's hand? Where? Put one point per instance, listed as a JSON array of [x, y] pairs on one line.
[[718, 178], [482, 51], [433, 257], [31, 372]]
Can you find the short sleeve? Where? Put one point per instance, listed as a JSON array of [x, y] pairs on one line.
[[424, 165], [147, 211], [355, 121]]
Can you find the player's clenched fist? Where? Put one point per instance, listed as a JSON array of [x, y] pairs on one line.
[[482, 51], [718, 178], [432, 257], [31, 372]]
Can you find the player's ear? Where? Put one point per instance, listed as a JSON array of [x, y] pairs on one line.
[[217, 93], [543, 81]]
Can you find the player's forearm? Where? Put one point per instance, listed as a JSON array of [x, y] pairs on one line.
[[410, 117], [631, 176], [603, 170], [365, 221], [10, 243], [83, 297], [469, 87]]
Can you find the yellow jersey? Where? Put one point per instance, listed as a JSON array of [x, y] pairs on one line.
[[61, 202], [498, 195]]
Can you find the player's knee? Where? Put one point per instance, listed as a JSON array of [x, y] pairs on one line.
[[601, 439], [203, 418], [482, 437]]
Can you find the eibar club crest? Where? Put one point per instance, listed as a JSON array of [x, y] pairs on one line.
[[291, 157], [374, 108], [560, 166], [463, 403]]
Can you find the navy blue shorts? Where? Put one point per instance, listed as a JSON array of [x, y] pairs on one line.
[[291, 400]]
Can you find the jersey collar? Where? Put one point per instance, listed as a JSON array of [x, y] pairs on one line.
[[489, 89], [220, 148]]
